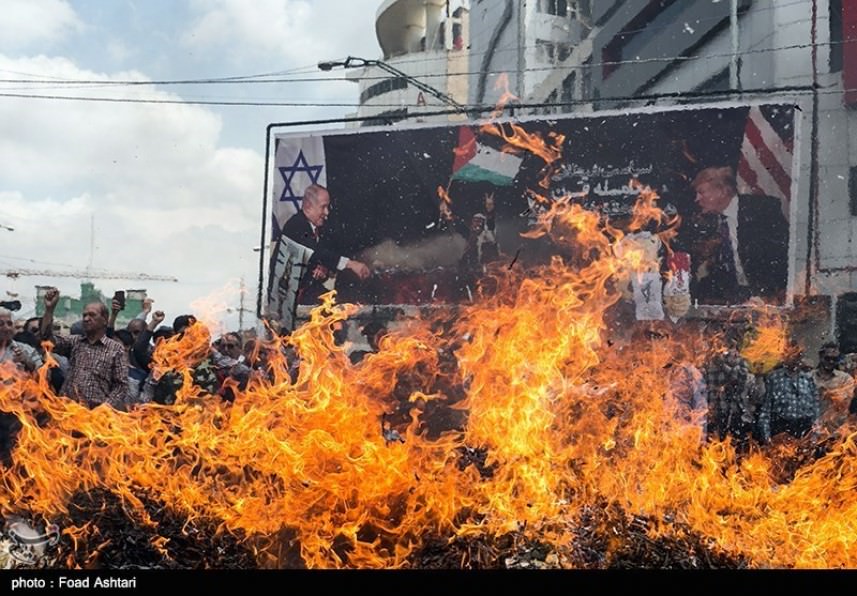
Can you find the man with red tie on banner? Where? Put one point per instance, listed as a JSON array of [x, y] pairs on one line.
[[748, 241], [305, 228]]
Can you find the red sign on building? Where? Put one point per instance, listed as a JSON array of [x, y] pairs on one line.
[[849, 52]]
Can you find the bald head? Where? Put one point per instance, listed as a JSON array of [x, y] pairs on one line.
[[316, 204]]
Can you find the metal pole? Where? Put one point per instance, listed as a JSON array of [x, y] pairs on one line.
[[733, 61], [241, 306], [264, 221], [813, 257], [522, 47]]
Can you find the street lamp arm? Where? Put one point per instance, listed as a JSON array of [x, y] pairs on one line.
[[355, 62]]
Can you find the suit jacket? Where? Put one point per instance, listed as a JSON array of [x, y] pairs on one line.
[[298, 229], [763, 245], [763, 237]]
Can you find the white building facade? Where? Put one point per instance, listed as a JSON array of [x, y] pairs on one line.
[[425, 40]]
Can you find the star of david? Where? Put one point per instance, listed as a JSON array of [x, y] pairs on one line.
[[288, 174]]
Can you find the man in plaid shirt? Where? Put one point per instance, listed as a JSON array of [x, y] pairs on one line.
[[791, 402], [98, 366], [732, 397]]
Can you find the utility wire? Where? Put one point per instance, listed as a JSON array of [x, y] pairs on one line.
[[682, 94], [247, 80]]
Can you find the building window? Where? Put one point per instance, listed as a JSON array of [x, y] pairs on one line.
[[457, 37], [568, 89], [381, 87], [555, 7], [548, 52], [852, 190], [836, 35], [550, 109], [586, 80], [545, 51]]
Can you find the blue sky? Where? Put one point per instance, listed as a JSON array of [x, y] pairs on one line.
[[175, 189]]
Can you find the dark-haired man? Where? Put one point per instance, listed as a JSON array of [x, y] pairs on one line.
[[835, 388]]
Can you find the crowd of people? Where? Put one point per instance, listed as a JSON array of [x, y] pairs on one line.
[[732, 397], [718, 388]]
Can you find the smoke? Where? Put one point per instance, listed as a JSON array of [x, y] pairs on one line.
[[445, 250], [440, 251]]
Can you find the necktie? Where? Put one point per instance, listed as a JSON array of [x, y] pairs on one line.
[[726, 256]]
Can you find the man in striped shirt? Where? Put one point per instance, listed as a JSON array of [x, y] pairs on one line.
[[98, 366]]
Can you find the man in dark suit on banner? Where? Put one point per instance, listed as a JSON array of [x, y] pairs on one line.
[[305, 228], [745, 252]]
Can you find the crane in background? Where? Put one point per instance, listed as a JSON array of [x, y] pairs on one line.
[[13, 272], [88, 273]]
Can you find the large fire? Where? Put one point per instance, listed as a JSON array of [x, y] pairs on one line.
[[512, 414]]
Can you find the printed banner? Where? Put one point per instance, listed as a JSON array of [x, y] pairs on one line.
[[427, 208]]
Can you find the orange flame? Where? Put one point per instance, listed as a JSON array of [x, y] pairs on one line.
[[378, 456], [767, 343]]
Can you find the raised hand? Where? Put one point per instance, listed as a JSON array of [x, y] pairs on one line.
[[52, 298]]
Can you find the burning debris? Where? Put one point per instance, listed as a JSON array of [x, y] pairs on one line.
[[511, 551], [102, 533], [607, 538], [512, 434]]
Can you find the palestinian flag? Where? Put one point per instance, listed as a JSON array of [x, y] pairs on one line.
[[477, 162]]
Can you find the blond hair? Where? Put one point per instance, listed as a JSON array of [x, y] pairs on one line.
[[722, 178]]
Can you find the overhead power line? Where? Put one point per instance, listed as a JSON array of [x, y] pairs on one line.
[[472, 107], [254, 79], [203, 102]]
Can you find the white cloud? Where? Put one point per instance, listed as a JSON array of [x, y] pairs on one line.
[[278, 27], [25, 23], [167, 198], [299, 31], [118, 50]]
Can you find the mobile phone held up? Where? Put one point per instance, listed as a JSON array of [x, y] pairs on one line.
[[120, 296]]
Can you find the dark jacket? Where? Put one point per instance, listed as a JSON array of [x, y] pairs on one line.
[[763, 244], [299, 229], [763, 247]]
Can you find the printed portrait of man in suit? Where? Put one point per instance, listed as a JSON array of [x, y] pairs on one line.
[[741, 245]]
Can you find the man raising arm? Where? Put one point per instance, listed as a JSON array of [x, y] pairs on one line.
[[98, 367]]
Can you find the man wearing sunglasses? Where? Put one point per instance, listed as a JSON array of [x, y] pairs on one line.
[[834, 386]]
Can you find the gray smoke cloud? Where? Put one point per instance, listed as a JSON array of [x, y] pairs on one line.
[[443, 250], [440, 251]]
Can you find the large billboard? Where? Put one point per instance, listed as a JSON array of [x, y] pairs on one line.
[[726, 170]]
